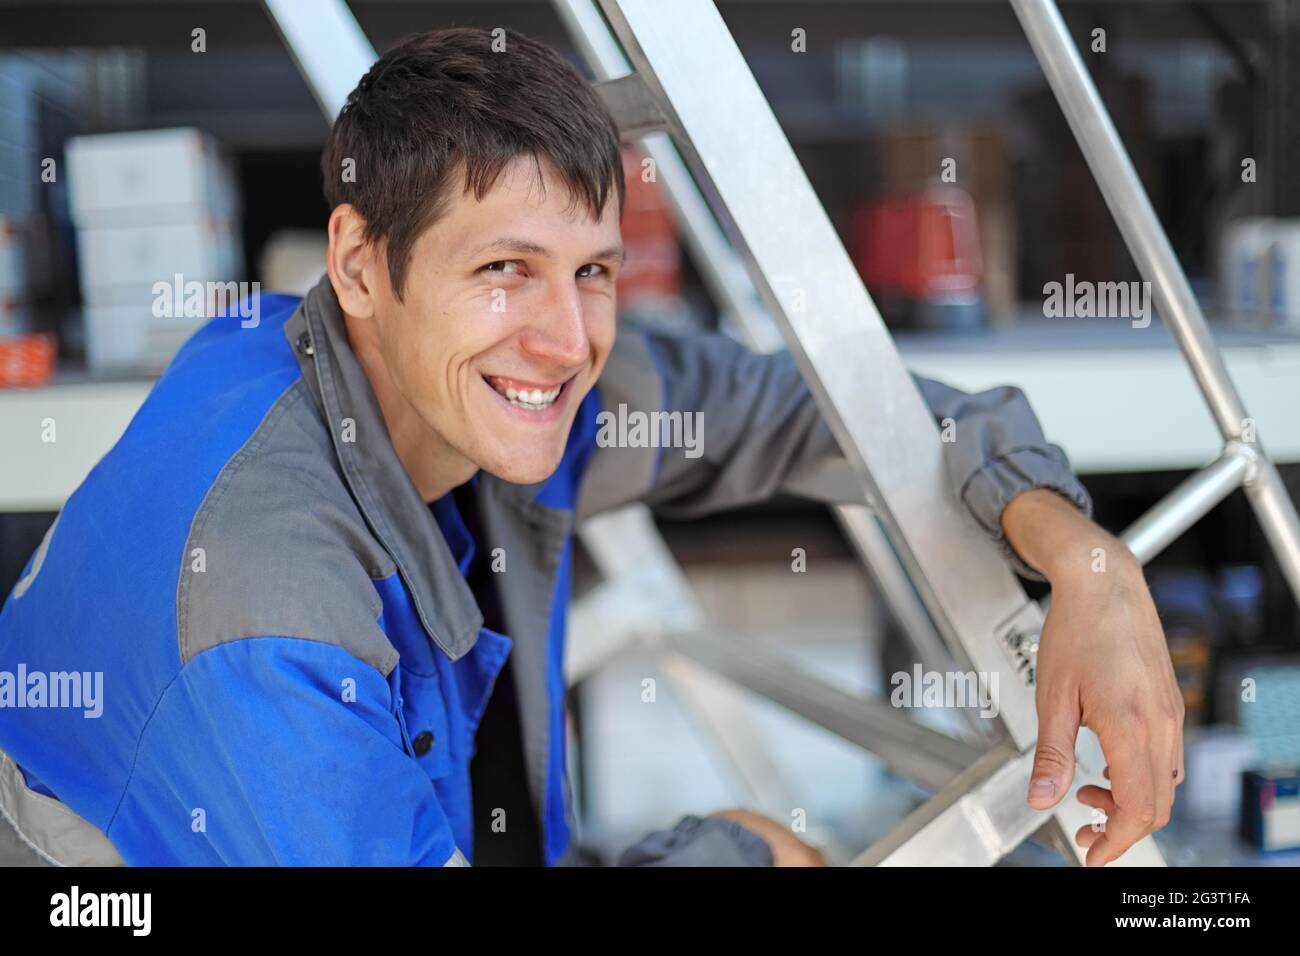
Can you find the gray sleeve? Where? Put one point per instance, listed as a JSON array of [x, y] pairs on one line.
[[731, 426], [735, 428], [996, 451], [700, 841]]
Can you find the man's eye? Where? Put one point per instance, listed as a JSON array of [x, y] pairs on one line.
[[583, 272], [507, 266]]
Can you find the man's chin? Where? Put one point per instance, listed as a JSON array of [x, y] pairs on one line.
[[524, 472]]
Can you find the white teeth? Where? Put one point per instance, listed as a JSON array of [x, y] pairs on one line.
[[533, 398]]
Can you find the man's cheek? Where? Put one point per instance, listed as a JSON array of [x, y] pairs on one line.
[[580, 392], [602, 357]]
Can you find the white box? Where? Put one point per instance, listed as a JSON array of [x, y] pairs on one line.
[[1243, 271], [120, 265], [150, 176], [1284, 273], [1261, 272]]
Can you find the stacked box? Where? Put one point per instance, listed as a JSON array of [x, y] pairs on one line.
[[154, 210], [1259, 273]]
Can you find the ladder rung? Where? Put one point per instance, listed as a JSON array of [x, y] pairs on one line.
[[970, 822], [632, 105], [926, 757], [1187, 504]]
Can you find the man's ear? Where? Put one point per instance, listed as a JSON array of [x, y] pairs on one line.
[[351, 262]]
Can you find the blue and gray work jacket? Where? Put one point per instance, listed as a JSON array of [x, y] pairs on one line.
[[292, 664]]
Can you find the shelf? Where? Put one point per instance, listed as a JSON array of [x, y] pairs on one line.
[[1120, 399], [1117, 399]]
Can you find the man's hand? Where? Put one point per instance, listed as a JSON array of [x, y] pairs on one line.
[[1103, 663], [787, 849]]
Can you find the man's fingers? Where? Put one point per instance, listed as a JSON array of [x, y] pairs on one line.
[[1098, 797], [1146, 765], [1102, 802], [1133, 789], [1087, 836], [1166, 761], [1179, 761], [1058, 728]]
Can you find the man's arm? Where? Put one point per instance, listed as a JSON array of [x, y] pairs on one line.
[[754, 430], [735, 837]]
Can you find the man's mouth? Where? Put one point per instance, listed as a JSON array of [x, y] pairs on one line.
[[531, 396]]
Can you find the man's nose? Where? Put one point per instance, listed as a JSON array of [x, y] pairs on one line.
[[557, 332]]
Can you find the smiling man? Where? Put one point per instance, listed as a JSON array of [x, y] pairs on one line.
[[325, 572]]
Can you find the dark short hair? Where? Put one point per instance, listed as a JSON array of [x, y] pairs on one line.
[[444, 101]]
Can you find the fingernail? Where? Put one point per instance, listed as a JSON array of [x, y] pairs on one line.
[[1041, 789]]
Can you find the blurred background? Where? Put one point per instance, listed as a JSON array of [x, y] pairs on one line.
[[128, 154]]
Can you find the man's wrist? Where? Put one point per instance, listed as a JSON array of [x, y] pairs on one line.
[[1052, 536]]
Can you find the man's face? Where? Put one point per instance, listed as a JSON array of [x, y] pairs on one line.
[[507, 321]]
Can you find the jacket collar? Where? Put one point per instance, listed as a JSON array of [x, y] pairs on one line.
[[394, 509]]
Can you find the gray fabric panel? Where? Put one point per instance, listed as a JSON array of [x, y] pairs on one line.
[[46, 827], [286, 551], [385, 494], [700, 841], [763, 433], [617, 476], [14, 851], [832, 481], [999, 451], [759, 424]]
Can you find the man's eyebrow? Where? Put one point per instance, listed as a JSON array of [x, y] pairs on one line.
[[615, 251], [510, 244], [528, 247]]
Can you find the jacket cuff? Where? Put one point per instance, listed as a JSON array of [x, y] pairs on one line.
[[990, 489], [700, 841]]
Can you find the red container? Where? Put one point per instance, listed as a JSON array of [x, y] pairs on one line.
[[920, 247], [27, 361]]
